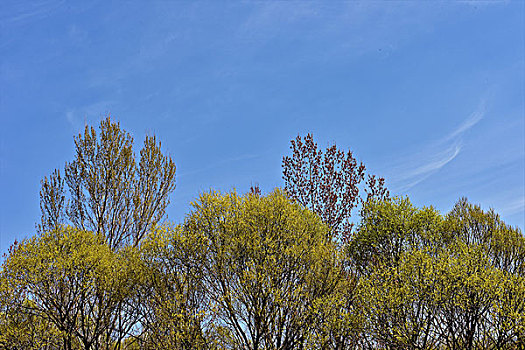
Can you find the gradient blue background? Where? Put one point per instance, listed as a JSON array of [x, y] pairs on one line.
[[428, 94]]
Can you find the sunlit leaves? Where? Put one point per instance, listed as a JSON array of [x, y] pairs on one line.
[[70, 281], [430, 282], [268, 265], [109, 193], [173, 307]]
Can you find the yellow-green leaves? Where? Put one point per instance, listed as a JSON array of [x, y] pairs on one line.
[[69, 281], [174, 309], [398, 304], [391, 227], [268, 264], [262, 272], [109, 193], [429, 282]]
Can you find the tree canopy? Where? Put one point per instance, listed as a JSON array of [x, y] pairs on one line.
[[255, 270], [328, 182], [109, 191]]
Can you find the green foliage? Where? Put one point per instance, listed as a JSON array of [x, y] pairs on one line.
[[20, 329], [68, 282], [390, 228], [268, 264], [429, 282], [174, 308], [398, 303], [338, 317], [109, 192], [253, 271], [504, 245], [262, 272]]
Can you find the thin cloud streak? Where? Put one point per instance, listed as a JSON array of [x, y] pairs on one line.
[[422, 172], [416, 168], [513, 207], [472, 120], [441, 160]]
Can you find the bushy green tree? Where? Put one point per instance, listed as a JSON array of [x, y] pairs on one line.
[[20, 328], [71, 283], [268, 263], [398, 303], [428, 281], [503, 244], [389, 228], [483, 280], [338, 317]]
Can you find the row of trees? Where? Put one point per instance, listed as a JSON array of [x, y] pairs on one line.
[[285, 270], [261, 272]]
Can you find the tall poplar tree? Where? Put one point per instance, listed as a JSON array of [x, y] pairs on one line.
[[109, 191]]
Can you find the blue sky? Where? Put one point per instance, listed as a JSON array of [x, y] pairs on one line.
[[428, 94]]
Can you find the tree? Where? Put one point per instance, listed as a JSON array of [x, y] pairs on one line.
[[504, 244], [71, 283], [173, 305], [268, 262], [338, 317], [389, 228], [20, 329], [390, 255], [327, 182], [485, 268], [428, 281], [109, 193], [399, 304]]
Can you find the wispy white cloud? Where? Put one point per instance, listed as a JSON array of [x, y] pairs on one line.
[[472, 120], [513, 206], [417, 167], [423, 170]]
